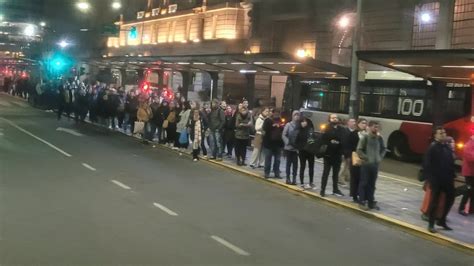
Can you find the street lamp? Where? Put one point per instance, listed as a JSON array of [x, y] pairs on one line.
[[83, 6], [43, 24], [344, 22], [116, 5]]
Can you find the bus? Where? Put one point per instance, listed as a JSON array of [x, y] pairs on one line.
[[403, 108]]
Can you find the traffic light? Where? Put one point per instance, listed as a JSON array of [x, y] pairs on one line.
[[321, 94], [133, 34]]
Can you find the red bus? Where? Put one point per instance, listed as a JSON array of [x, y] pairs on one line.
[[403, 108]]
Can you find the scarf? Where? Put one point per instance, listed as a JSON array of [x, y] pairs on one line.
[[197, 134]]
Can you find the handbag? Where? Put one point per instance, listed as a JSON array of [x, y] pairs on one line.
[[139, 127], [356, 160], [165, 124], [183, 137]]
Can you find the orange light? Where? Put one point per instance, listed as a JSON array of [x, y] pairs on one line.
[[322, 127], [283, 120], [460, 145]]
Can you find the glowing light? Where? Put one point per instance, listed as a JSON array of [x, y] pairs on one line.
[[344, 22], [323, 127], [426, 17], [460, 145], [116, 5], [43, 24], [83, 6], [301, 53], [29, 30], [63, 44]]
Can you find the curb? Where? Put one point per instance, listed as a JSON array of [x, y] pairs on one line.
[[409, 228]]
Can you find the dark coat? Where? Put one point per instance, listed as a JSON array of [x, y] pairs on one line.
[[302, 137], [438, 164], [334, 150], [272, 137]]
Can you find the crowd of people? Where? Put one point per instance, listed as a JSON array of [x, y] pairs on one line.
[[217, 129]]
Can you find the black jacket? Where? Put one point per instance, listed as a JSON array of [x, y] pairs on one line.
[[302, 137], [352, 141], [334, 150], [272, 138], [438, 164]]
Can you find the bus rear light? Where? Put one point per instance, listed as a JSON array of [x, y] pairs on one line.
[[460, 145]]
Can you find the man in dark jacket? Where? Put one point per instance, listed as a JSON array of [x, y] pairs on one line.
[[332, 140], [272, 143], [439, 170], [216, 119]]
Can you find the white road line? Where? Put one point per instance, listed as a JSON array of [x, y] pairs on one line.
[[89, 167], [36, 137], [121, 184], [163, 208], [70, 131], [401, 180], [230, 246]]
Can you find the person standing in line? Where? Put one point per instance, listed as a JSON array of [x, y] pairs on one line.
[[132, 107], [257, 158], [305, 133], [171, 128], [371, 150], [272, 144], [439, 171], [290, 132], [332, 156], [243, 123], [353, 141], [344, 174], [157, 121], [145, 114], [163, 112], [468, 173], [229, 131], [216, 120], [196, 134], [181, 127]]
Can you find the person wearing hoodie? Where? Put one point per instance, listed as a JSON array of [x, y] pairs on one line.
[[305, 133], [332, 140], [290, 133], [257, 158], [243, 123], [216, 119], [181, 127]]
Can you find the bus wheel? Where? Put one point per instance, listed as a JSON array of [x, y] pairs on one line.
[[399, 147]]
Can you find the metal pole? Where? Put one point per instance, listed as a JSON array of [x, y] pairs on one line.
[[354, 96]]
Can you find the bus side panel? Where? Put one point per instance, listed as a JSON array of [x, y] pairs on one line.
[[418, 135]]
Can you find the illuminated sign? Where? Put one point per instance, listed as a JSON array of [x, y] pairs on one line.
[[173, 8], [140, 14], [155, 12]]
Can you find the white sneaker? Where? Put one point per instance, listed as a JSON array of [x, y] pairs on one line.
[[175, 148], [205, 157], [195, 160]]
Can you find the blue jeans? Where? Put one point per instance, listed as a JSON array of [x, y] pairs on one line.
[[276, 154], [368, 177], [215, 139]]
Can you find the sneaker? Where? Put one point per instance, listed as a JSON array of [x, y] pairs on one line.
[[312, 186], [212, 158], [260, 166], [288, 181], [220, 160], [375, 207], [180, 154], [425, 217], [195, 160], [277, 176], [338, 193], [322, 193], [432, 230], [463, 213], [205, 157], [363, 206], [293, 183], [302, 186], [175, 148], [252, 166], [266, 176]]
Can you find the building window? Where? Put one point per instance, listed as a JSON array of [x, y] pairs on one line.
[[463, 26], [425, 26]]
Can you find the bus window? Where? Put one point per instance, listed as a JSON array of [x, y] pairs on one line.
[[324, 98], [455, 107]]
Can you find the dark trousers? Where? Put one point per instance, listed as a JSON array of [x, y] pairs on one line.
[[306, 157], [355, 180], [368, 177], [171, 133], [196, 153], [241, 149], [469, 194], [335, 165], [64, 108], [203, 146], [269, 154], [120, 118], [291, 162], [436, 190], [132, 119]]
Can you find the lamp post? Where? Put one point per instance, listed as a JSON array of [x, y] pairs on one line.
[[354, 94]]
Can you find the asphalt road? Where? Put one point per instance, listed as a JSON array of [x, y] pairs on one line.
[[99, 198]]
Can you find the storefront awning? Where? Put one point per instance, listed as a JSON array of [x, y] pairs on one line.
[[260, 64], [456, 66]]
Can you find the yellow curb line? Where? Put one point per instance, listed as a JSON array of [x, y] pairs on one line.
[[417, 230]]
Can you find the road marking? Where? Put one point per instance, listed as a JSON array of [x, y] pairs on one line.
[[121, 184], [401, 180], [70, 131], [163, 208], [89, 167], [230, 246], [36, 137]]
